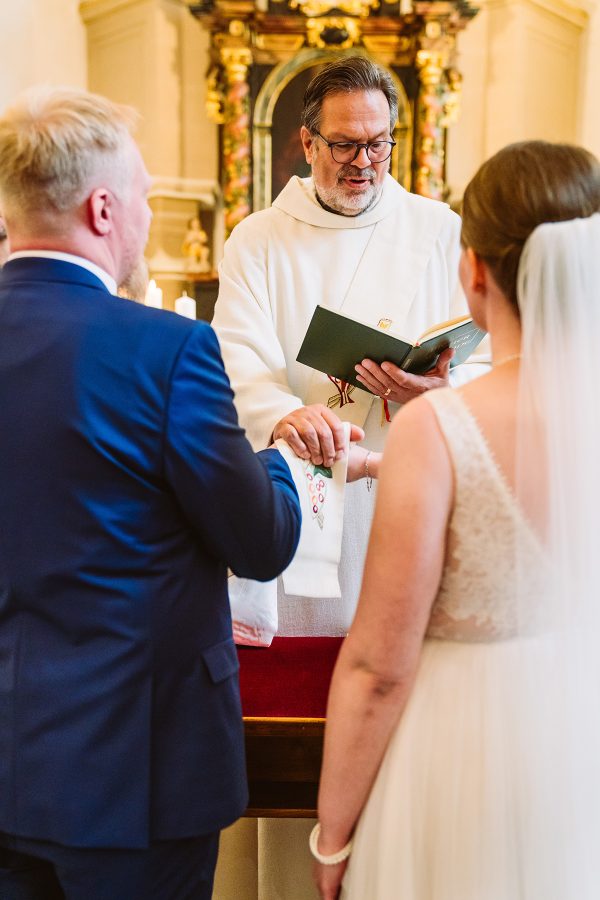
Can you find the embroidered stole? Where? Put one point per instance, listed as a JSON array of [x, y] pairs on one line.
[[314, 570]]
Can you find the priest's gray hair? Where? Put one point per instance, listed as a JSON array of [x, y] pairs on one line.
[[57, 145], [345, 75]]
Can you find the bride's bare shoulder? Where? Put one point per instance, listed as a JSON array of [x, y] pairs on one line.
[[417, 420], [416, 413]]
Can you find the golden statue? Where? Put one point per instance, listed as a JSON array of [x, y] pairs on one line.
[[195, 247]]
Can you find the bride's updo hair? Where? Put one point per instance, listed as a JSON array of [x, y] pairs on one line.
[[519, 188]]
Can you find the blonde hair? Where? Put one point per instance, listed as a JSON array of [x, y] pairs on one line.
[[520, 187], [56, 144]]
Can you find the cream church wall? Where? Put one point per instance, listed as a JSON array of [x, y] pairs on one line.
[[40, 40], [590, 71], [152, 55], [530, 71]]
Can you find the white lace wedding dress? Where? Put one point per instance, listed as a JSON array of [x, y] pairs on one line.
[[445, 818]]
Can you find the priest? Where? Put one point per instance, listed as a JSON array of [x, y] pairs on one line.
[[352, 239]]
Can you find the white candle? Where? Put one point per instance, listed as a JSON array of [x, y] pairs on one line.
[[186, 306], [154, 295], [149, 292]]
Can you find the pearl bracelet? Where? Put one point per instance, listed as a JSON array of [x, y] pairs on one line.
[[334, 858], [368, 475]]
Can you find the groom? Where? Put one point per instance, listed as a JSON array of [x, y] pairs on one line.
[[127, 489], [4, 251]]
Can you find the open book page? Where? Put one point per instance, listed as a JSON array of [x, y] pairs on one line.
[[334, 343], [462, 335], [441, 328]]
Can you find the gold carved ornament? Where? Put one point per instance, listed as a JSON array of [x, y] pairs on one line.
[[318, 29], [314, 8], [215, 98], [452, 98], [430, 116], [236, 135]]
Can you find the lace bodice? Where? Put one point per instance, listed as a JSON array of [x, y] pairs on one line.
[[476, 598]]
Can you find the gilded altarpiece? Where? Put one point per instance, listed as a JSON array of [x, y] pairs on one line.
[[263, 53]]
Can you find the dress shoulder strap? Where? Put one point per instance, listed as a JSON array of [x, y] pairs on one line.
[[468, 448]]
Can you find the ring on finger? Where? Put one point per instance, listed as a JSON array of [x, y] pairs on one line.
[[387, 393]]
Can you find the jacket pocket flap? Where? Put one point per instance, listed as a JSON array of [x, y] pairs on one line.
[[221, 660]]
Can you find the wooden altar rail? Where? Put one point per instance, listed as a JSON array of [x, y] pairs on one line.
[[284, 699], [283, 761]]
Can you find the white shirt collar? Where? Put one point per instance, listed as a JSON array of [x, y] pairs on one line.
[[107, 280]]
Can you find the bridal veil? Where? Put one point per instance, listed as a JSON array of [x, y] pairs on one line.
[[557, 663]]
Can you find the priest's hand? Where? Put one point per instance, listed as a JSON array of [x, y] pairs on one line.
[[391, 383], [315, 433]]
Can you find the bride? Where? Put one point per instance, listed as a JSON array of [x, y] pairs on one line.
[[463, 726]]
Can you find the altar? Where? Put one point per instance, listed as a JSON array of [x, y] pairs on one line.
[[284, 691]]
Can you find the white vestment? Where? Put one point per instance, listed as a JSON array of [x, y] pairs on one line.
[[396, 261]]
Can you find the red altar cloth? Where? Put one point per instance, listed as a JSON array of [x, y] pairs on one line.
[[288, 679]]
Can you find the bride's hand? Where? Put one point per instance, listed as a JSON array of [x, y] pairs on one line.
[[356, 463], [329, 879]]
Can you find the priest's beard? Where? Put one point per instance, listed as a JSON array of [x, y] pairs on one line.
[[340, 200]]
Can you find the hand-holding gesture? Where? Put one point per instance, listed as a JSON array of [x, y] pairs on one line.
[[391, 383], [315, 433]]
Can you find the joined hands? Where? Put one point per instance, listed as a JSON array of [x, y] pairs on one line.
[[316, 433]]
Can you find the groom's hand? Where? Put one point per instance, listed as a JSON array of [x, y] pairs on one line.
[[316, 433]]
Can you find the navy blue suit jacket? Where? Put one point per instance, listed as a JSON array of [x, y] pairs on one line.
[[127, 488]]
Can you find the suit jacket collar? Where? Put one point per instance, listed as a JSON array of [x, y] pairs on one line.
[[37, 268]]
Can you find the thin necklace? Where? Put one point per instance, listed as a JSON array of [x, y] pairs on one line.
[[506, 359]]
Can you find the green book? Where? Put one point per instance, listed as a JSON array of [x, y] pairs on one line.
[[334, 343]]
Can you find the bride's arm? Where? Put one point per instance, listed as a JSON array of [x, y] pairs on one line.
[[377, 664]]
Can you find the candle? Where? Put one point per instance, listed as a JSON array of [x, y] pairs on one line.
[[186, 306], [154, 295]]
